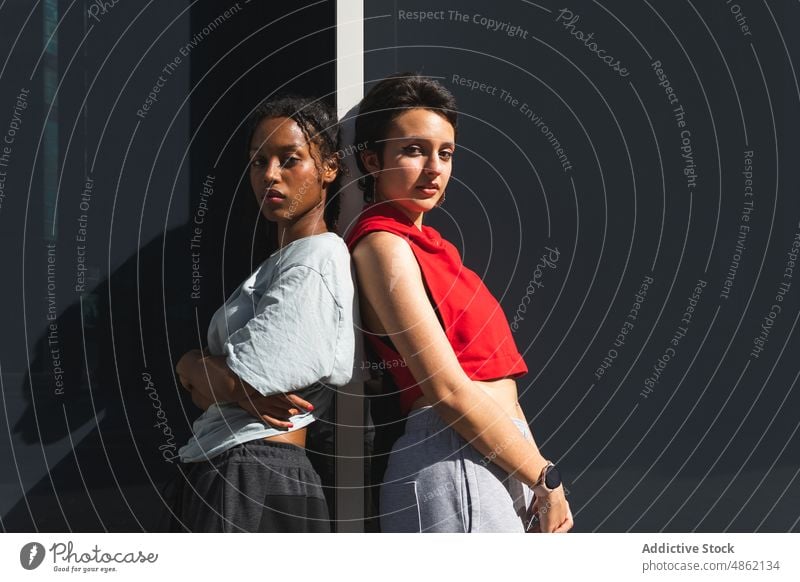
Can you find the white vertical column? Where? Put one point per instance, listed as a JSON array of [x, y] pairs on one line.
[[350, 401], [349, 54]]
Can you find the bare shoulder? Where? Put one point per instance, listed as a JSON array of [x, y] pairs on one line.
[[388, 272], [383, 250]]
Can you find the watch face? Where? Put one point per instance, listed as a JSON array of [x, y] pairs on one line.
[[552, 478]]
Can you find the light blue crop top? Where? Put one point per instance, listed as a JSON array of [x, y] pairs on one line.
[[290, 327]]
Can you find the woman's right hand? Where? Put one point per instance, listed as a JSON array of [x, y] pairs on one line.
[[275, 409], [554, 513]]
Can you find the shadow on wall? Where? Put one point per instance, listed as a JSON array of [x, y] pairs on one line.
[[126, 419]]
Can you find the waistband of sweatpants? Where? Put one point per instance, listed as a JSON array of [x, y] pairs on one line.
[[261, 451], [426, 418]]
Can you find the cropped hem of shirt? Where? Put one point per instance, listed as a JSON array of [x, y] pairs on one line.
[[226, 425], [471, 317], [289, 327]]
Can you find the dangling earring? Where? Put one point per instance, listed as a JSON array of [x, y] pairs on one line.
[[441, 200], [374, 193], [368, 186]]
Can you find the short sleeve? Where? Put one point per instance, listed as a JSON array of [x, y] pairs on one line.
[[291, 342]]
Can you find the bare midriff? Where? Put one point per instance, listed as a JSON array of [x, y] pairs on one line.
[[503, 391], [295, 437]]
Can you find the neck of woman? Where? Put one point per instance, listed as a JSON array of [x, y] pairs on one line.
[[415, 217], [307, 225]]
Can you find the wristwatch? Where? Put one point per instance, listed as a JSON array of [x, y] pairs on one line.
[[549, 479]]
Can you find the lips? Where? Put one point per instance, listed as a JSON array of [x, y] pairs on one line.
[[429, 189], [273, 195]]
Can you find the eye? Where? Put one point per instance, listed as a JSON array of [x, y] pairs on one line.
[[446, 155], [289, 162], [413, 150], [257, 163]]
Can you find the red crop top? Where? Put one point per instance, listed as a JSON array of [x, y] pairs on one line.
[[472, 318]]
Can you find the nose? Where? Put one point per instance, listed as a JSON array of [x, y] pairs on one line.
[[433, 166], [272, 172]]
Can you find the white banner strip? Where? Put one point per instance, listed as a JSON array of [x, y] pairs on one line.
[[389, 557]]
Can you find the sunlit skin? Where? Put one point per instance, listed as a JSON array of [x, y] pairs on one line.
[[416, 162], [289, 181], [411, 174]]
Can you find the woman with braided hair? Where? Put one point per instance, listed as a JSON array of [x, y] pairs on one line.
[[279, 346]]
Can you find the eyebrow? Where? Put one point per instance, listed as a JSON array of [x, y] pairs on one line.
[[292, 147], [415, 137]]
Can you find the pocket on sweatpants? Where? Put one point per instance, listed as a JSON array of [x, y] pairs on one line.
[[399, 508]]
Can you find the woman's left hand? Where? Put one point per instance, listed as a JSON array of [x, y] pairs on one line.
[[275, 409], [544, 509]]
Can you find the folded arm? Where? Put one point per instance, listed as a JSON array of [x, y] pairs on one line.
[[210, 380], [288, 345]]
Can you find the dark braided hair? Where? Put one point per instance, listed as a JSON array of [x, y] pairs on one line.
[[390, 98], [318, 122]]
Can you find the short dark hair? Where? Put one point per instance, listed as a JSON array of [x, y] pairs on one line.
[[388, 99], [318, 122]]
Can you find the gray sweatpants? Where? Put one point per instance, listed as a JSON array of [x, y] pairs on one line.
[[437, 482]]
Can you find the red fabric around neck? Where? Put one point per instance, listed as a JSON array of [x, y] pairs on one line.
[[472, 318]]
